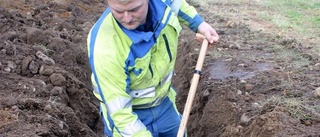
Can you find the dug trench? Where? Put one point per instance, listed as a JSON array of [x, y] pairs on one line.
[[46, 90]]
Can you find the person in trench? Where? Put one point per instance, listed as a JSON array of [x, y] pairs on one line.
[[132, 51]]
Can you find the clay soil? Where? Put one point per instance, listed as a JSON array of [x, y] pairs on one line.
[[254, 82]]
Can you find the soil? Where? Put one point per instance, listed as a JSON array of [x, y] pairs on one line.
[[247, 88]]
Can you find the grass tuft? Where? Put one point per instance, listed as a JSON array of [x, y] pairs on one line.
[[299, 109]]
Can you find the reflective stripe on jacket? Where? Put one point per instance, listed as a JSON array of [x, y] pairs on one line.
[[133, 69]]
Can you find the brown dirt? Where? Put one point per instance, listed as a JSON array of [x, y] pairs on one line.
[[247, 87]]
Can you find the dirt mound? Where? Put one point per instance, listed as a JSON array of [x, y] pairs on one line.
[[45, 86], [247, 88]]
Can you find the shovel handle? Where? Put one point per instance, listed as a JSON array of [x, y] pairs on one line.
[[194, 84]]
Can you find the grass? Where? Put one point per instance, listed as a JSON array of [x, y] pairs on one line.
[[298, 109], [292, 57], [299, 15], [45, 49], [298, 19]]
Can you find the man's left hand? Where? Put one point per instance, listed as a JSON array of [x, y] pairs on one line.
[[210, 33]]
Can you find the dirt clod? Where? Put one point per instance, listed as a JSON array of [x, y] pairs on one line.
[[46, 70], [57, 79], [248, 87], [316, 93]]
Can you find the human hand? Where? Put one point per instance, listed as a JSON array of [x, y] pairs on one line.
[[206, 30]]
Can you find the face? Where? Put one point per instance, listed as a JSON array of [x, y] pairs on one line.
[[130, 13]]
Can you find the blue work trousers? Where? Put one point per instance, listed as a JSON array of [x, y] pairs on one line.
[[162, 121]]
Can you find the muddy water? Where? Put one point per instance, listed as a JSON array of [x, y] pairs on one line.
[[222, 70]]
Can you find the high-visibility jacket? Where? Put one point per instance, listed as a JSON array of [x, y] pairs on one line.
[[133, 69]]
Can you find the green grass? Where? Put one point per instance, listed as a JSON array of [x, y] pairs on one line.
[[290, 56], [45, 49], [297, 109], [298, 18], [300, 15]]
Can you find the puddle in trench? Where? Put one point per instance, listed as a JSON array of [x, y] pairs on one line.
[[222, 70]]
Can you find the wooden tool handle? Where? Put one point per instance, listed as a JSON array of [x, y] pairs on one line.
[[194, 84], [200, 36]]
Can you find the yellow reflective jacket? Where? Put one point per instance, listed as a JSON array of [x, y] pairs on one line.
[[133, 69]]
